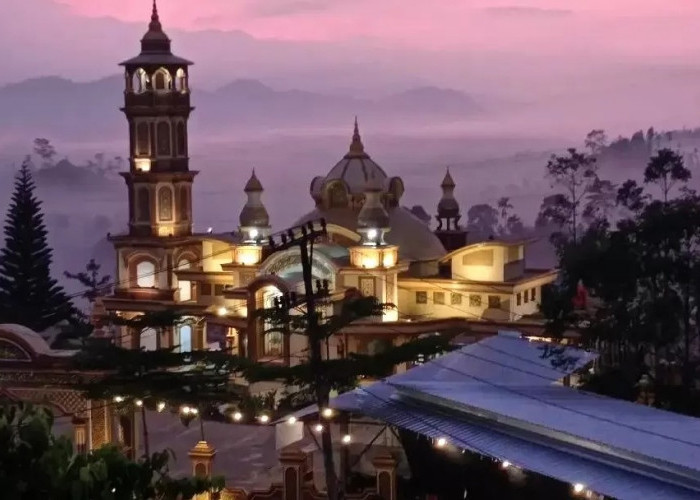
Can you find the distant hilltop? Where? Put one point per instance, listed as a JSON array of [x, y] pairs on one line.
[[66, 110]]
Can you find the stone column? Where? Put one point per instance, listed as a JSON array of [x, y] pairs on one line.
[[385, 467], [202, 457], [293, 462]]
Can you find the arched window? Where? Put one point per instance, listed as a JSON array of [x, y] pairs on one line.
[[139, 81], [148, 340], [181, 139], [146, 274], [163, 135], [143, 205], [165, 203], [181, 80], [184, 286], [161, 80], [184, 203], [142, 139], [186, 338], [337, 196]]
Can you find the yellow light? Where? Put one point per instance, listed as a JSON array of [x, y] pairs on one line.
[[143, 164], [237, 416], [318, 427], [161, 406], [347, 439], [185, 410], [264, 419], [505, 464], [441, 442], [578, 488], [370, 261], [222, 311], [292, 420], [138, 402], [327, 412], [118, 399], [389, 259], [194, 411]]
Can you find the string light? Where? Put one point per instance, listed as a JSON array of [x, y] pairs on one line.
[[327, 412], [441, 442], [161, 406], [505, 464], [237, 416], [318, 427], [292, 420], [186, 410], [578, 488], [264, 418], [347, 439]]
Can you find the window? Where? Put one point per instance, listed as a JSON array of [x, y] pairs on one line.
[[526, 296], [142, 139], [185, 338], [180, 80], [421, 297], [148, 340], [161, 80], [143, 205], [139, 81], [163, 136], [532, 294], [439, 297], [456, 299], [165, 203], [184, 203], [181, 139], [184, 286], [519, 298], [218, 290], [475, 300], [206, 288], [146, 274], [494, 302]]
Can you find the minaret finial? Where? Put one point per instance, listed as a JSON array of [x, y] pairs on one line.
[[356, 146], [155, 20]]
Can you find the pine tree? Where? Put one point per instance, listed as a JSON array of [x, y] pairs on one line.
[[29, 295]]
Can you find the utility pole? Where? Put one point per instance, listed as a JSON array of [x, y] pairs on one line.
[[304, 237]]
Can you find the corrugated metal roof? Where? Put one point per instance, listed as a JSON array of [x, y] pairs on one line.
[[376, 402]]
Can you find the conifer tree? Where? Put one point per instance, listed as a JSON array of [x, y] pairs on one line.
[[29, 295]]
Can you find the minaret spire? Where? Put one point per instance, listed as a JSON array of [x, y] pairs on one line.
[[357, 149], [155, 20]]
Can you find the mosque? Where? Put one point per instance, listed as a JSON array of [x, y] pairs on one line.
[[436, 280]]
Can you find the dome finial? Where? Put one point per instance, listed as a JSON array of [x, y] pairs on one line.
[[253, 183], [155, 20], [447, 181], [356, 146]]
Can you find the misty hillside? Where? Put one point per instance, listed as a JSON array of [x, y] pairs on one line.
[[60, 108]]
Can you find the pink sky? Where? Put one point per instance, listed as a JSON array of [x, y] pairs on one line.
[[428, 23]]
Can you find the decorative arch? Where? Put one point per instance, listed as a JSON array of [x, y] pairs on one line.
[[396, 190], [162, 81], [335, 194], [143, 139], [139, 81], [183, 263], [143, 204], [163, 139], [181, 80], [165, 203], [148, 339], [144, 271], [342, 235], [288, 262]]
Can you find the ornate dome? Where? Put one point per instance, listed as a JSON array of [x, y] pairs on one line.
[[254, 213], [448, 206]]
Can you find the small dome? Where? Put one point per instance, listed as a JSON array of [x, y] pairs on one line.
[[448, 206], [254, 213], [356, 167]]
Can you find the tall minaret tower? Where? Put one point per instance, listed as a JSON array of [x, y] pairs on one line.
[[157, 107], [449, 231]]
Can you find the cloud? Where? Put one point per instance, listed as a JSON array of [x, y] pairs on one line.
[[517, 11], [281, 8]]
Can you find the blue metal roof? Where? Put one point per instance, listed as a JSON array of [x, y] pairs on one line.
[[377, 402]]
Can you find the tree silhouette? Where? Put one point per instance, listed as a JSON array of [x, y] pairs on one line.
[[28, 294]]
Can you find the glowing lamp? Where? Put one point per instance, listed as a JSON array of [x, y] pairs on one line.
[[221, 311], [441, 442], [578, 488], [142, 164], [253, 233], [292, 420], [118, 399], [264, 418], [138, 402], [347, 439], [318, 427], [505, 464], [161, 406], [372, 234], [327, 412], [237, 416]]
